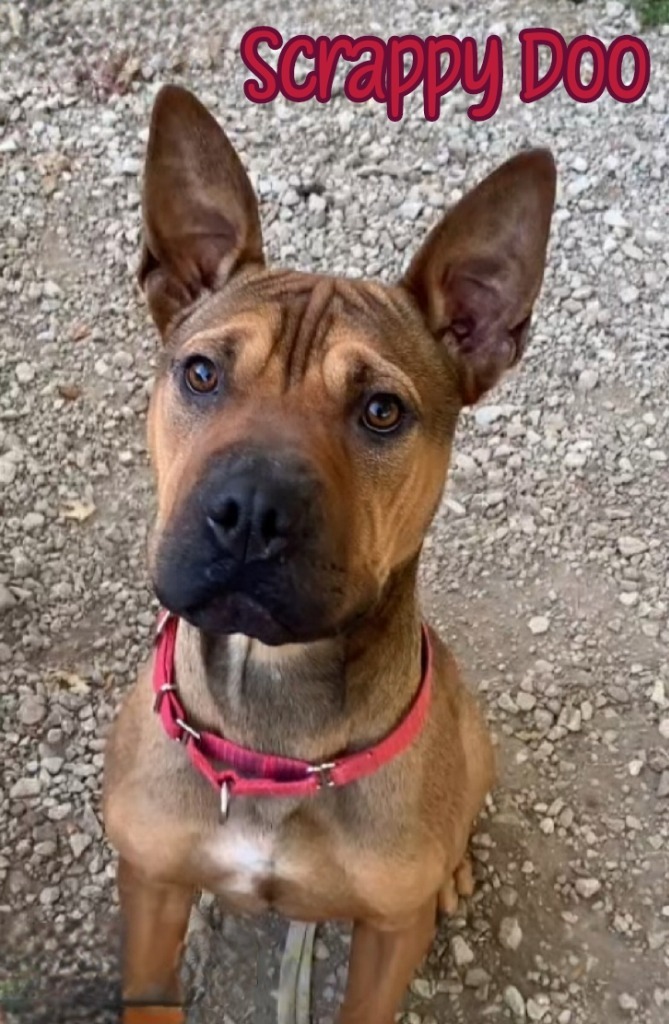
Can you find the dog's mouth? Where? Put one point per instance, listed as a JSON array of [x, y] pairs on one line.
[[236, 612]]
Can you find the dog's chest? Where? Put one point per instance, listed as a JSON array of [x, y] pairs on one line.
[[252, 868]]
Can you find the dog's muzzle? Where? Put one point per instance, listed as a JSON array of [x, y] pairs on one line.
[[248, 551]]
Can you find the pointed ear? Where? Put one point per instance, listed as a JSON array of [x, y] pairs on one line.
[[479, 272], [200, 212]]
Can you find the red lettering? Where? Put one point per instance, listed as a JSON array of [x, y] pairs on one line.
[[532, 87], [365, 82], [268, 89], [437, 84], [637, 87], [573, 81], [399, 85], [286, 70], [489, 80], [328, 53]]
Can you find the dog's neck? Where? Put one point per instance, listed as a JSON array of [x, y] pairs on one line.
[[308, 700]]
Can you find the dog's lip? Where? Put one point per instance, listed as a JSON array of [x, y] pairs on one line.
[[235, 605]]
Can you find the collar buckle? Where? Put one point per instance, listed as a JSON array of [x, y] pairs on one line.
[[324, 773], [160, 695], [187, 731]]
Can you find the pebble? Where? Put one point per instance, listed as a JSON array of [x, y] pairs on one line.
[[631, 546], [461, 952], [587, 887], [627, 1003], [476, 977], [515, 1002], [664, 728], [25, 788], [613, 218], [588, 380], [8, 471], [79, 842], [7, 599], [31, 710], [486, 415], [510, 933], [538, 625], [538, 1007], [25, 373]]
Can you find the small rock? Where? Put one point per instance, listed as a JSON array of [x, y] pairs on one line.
[[664, 728], [25, 788], [32, 710], [462, 954], [25, 373], [510, 933], [411, 209], [631, 546], [8, 470], [131, 166], [615, 9], [423, 988], [587, 887], [614, 219], [538, 625], [629, 295], [515, 1002], [588, 380], [663, 787], [538, 1008], [476, 977], [7, 599], [627, 1003], [33, 521], [79, 842], [488, 414], [526, 701]]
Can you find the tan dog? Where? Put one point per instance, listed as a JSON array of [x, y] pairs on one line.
[[300, 429]]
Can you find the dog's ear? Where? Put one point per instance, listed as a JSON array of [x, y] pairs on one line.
[[479, 272], [200, 212]]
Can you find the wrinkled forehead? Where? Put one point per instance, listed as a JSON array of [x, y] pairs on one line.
[[287, 325]]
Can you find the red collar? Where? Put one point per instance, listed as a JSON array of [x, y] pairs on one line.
[[250, 773]]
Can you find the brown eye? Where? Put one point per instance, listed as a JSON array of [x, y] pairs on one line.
[[383, 413], [201, 375]]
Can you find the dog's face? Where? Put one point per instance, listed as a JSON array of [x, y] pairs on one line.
[[300, 425]]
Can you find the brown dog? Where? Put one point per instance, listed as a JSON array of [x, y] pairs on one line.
[[300, 429]]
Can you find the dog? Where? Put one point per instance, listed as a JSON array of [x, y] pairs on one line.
[[330, 762]]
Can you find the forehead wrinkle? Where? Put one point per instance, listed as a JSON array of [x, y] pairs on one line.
[[309, 328]]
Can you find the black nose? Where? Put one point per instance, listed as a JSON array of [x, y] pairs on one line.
[[258, 511]]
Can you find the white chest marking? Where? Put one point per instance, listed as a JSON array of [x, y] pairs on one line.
[[241, 859]]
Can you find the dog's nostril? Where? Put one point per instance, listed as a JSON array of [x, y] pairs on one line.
[[229, 515], [269, 525]]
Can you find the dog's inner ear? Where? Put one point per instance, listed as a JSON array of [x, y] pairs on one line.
[[200, 212], [479, 272]]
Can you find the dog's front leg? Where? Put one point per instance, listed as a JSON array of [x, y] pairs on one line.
[[155, 920], [381, 966]]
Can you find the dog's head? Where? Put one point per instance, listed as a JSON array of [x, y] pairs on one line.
[[300, 425]]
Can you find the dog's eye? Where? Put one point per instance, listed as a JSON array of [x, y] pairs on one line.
[[383, 413], [201, 375]]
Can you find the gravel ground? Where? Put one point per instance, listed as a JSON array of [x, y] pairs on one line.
[[547, 567]]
